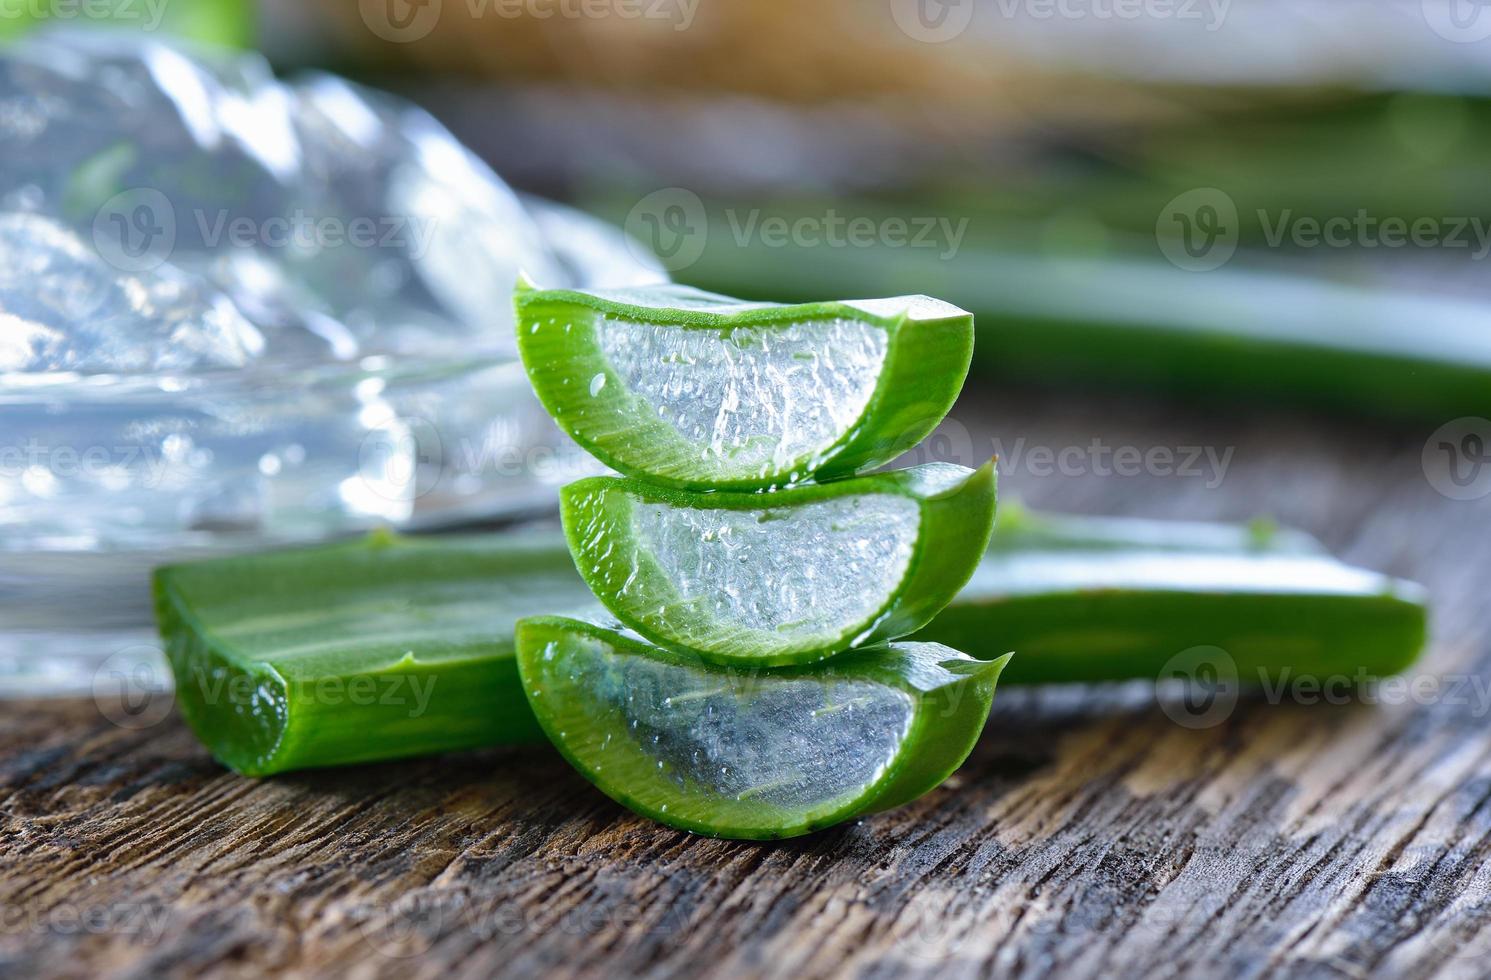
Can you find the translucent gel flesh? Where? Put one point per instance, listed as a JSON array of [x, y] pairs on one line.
[[794, 743], [803, 570], [754, 397]]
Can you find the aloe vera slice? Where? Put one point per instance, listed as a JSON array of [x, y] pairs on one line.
[[374, 649], [786, 577], [1094, 599], [699, 391], [756, 754]]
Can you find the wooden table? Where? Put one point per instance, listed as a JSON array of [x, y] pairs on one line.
[[1088, 835]]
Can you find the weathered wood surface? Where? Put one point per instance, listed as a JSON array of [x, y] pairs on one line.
[[1089, 834]]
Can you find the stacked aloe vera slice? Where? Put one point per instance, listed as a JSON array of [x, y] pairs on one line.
[[749, 686]]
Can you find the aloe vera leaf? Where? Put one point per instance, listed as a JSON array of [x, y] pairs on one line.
[[373, 649], [781, 578], [699, 391], [1093, 599], [1084, 614], [757, 754]]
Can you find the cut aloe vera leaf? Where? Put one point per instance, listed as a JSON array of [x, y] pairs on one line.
[[374, 649], [1066, 594], [1093, 599], [699, 391], [756, 754], [786, 577]]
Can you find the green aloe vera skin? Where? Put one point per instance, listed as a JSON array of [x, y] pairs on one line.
[[375, 649], [697, 391], [781, 578], [754, 754], [1097, 599]]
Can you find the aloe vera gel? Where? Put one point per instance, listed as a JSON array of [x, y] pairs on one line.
[[734, 753], [688, 389], [759, 696], [787, 577]]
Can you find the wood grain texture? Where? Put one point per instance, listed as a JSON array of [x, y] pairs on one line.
[[1089, 835]]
